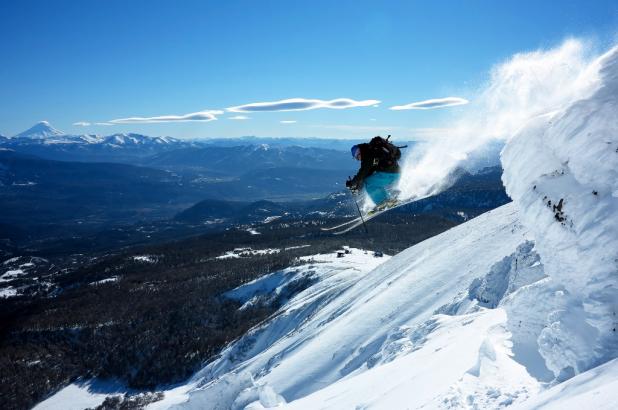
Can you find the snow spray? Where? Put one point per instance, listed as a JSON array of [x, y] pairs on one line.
[[524, 86]]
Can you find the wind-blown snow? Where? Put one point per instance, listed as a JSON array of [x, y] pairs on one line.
[[522, 87], [562, 172]]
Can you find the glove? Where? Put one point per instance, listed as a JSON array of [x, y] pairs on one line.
[[351, 185]]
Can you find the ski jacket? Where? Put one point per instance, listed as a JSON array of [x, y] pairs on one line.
[[371, 162]]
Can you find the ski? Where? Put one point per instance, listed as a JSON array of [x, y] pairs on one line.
[[332, 228], [351, 221], [367, 218], [351, 225]]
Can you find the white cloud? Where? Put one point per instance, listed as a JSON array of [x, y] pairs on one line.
[[432, 104], [302, 104], [103, 123], [288, 122], [239, 117], [203, 116], [82, 124]]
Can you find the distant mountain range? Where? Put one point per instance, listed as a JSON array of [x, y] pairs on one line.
[[234, 157], [53, 184], [470, 195], [49, 179], [47, 142], [44, 133]]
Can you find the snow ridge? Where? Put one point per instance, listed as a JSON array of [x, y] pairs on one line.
[[562, 172]]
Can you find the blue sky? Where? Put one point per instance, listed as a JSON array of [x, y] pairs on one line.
[[99, 61]]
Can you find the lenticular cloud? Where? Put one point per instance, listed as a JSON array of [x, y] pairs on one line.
[[302, 104], [203, 116], [432, 104]]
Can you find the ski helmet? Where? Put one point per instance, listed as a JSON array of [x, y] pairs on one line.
[[355, 151]]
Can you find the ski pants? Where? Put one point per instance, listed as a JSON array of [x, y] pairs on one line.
[[379, 184]]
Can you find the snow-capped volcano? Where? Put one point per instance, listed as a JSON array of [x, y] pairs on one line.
[[45, 132], [48, 142], [40, 130]]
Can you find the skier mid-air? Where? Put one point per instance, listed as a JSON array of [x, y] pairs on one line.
[[379, 171], [378, 177]]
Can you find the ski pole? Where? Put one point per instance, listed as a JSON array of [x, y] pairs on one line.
[[361, 216], [359, 212]]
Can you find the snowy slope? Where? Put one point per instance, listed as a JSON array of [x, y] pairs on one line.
[[81, 395], [486, 315], [594, 389], [328, 274], [343, 332]]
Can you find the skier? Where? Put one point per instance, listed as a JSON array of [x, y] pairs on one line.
[[379, 171]]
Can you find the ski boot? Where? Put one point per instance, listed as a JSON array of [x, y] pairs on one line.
[[384, 205]]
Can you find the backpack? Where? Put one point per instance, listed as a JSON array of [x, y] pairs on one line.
[[385, 154]]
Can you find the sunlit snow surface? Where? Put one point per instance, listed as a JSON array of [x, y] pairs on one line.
[[362, 337], [81, 395], [562, 172]]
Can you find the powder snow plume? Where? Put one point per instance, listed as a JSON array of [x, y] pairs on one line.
[[523, 87]]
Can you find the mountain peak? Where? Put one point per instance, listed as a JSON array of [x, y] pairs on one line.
[[40, 130]]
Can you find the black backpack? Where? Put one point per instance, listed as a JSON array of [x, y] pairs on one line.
[[385, 154]]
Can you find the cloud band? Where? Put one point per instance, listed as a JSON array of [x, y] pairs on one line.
[[203, 116], [302, 104], [432, 104]]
